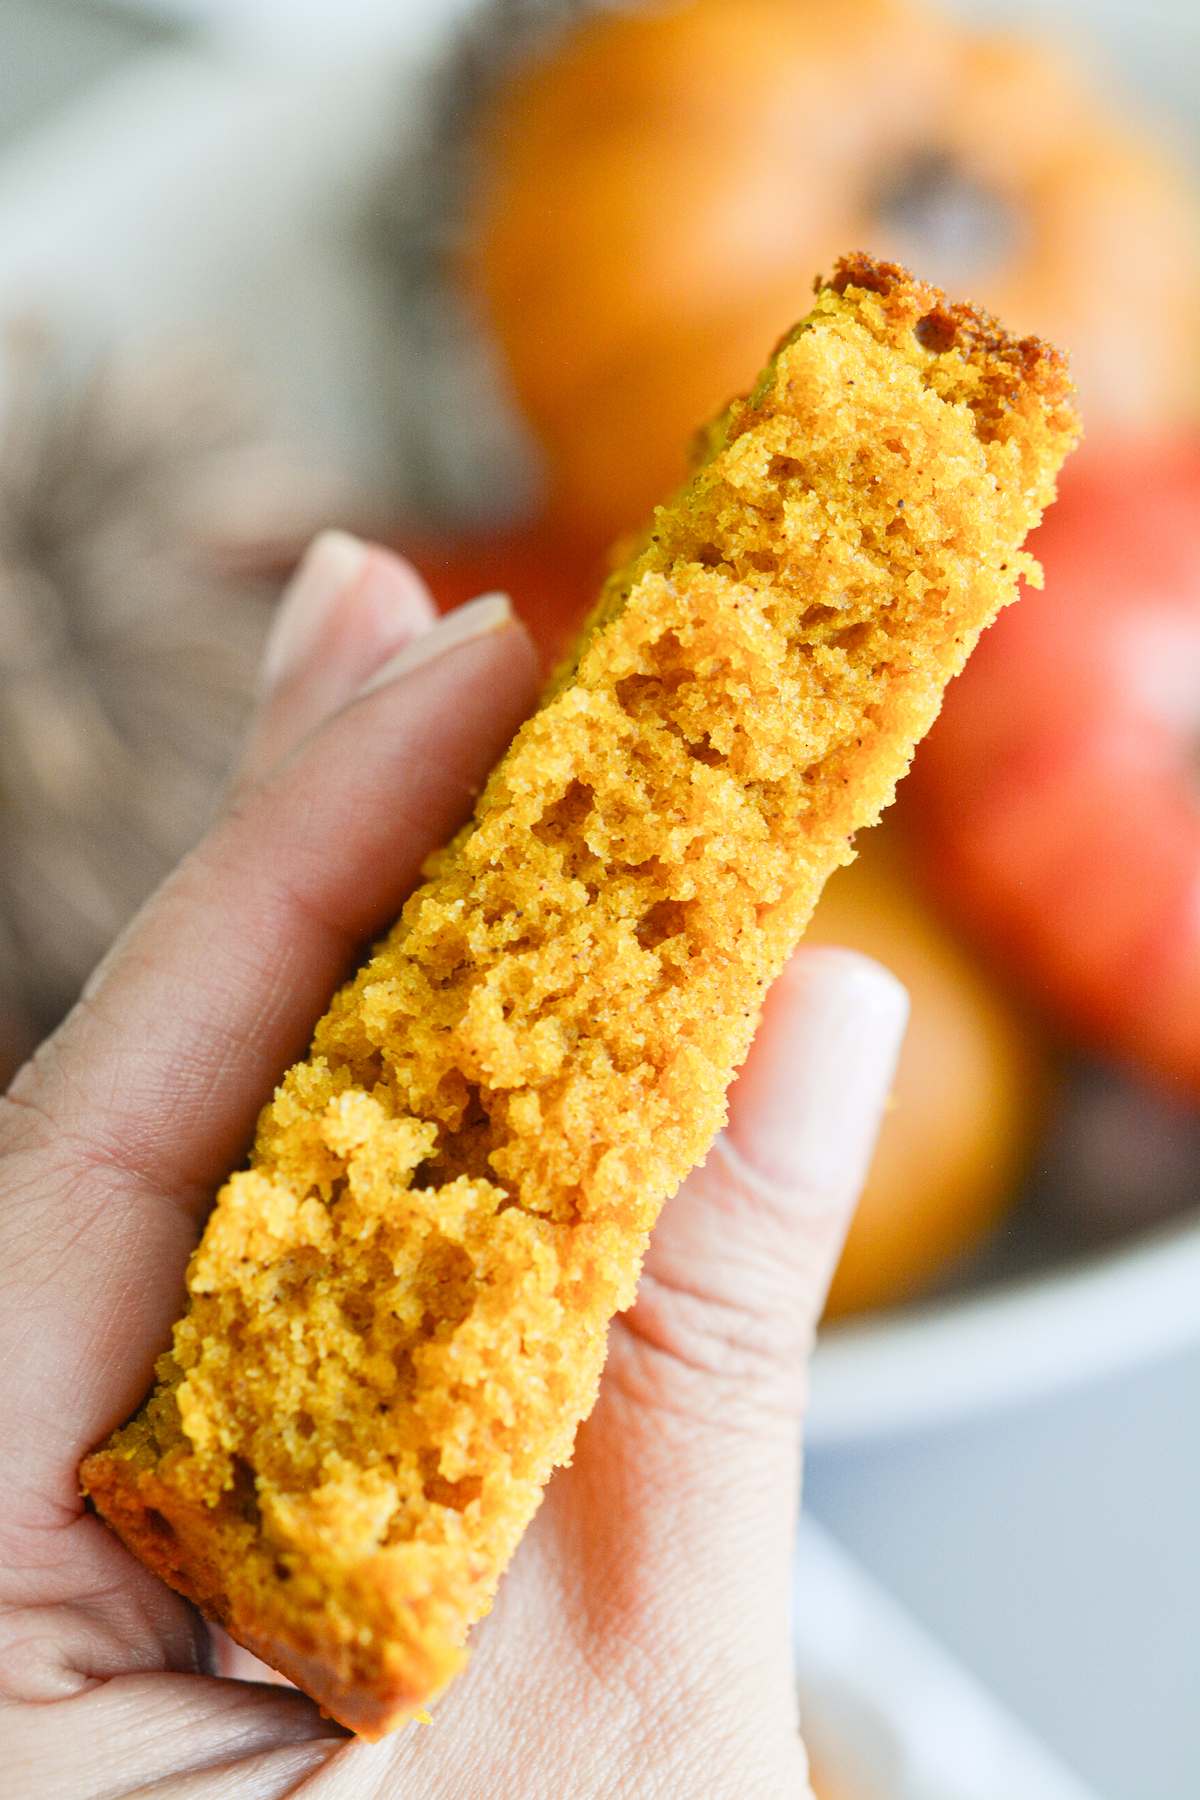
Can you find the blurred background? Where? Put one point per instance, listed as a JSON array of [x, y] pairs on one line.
[[467, 274]]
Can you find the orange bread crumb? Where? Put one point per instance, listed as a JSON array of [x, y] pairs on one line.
[[398, 1312]]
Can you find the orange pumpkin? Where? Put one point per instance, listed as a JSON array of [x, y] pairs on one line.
[[650, 202], [970, 1087]]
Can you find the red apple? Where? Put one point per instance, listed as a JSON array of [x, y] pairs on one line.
[[1057, 800]]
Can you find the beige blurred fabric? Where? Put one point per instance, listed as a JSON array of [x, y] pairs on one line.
[[146, 517]]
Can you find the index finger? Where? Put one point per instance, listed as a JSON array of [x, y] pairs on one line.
[[118, 1132]]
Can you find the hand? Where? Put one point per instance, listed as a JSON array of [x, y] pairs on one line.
[[639, 1643]]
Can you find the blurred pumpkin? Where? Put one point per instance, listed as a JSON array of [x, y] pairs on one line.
[[649, 201], [969, 1095]]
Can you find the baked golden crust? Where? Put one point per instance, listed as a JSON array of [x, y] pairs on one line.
[[398, 1313]]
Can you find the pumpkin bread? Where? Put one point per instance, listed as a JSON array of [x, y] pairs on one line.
[[398, 1312]]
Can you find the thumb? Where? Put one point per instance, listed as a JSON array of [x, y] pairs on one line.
[[693, 1448], [739, 1265]]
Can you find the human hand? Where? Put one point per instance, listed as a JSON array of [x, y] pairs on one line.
[[639, 1643]]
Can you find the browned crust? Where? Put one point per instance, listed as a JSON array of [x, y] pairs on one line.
[[132, 1506], [1012, 367], [172, 1540]]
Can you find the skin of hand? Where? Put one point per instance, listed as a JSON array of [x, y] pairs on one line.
[[639, 1645]]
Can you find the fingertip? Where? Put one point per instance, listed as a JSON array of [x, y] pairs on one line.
[[863, 984], [349, 607], [479, 618], [807, 1106], [350, 601], [410, 600], [329, 567]]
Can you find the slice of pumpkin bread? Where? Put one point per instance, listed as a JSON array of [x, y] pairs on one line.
[[398, 1312]]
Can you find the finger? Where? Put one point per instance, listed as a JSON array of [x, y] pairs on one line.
[[127, 1120], [740, 1263], [347, 609], [691, 1458], [173, 1735]]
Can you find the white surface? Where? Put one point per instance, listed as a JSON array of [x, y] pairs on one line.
[[1054, 1550], [1003, 1349], [304, 26], [888, 1710], [189, 197]]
